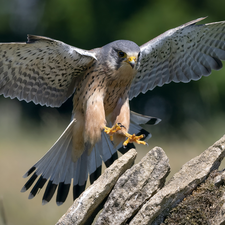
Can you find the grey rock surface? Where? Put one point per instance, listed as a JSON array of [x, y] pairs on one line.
[[181, 184], [135, 187], [219, 218], [84, 206]]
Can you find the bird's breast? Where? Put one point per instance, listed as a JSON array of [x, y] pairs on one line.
[[118, 89], [111, 85]]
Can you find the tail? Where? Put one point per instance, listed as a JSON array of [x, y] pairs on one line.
[[58, 168]]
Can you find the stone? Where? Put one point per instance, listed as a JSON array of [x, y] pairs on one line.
[[219, 218], [89, 203], [135, 187], [181, 185], [205, 205]]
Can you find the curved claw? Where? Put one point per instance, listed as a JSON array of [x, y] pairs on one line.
[[130, 138], [134, 138], [113, 130]]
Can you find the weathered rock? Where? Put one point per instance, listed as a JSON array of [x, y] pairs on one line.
[[181, 184], [205, 205], [135, 187], [219, 218], [83, 208]]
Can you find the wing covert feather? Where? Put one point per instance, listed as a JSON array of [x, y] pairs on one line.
[[42, 70], [181, 54]]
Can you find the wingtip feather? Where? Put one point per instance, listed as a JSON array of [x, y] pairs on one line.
[[44, 202], [59, 203], [23, 189], [30, 196], [29, 172]]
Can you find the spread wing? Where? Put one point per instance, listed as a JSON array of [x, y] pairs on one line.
[[42, 70], [182, 54]]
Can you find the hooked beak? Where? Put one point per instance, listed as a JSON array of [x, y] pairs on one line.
[[132, 61]]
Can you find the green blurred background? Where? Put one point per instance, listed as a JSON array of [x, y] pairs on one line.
[[192, 114]]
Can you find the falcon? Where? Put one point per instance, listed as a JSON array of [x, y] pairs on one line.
[[102, 81]]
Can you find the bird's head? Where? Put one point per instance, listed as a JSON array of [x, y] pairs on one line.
[[122, 54]]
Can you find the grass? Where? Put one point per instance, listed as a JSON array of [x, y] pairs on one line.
[[22, 144]]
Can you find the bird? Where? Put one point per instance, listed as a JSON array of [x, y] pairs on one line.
[[102, 81]]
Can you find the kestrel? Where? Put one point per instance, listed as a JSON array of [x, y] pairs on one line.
[[102, 80]]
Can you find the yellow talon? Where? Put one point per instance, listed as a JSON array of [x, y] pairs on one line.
[[134, 138], [130, 138], [111, 131]]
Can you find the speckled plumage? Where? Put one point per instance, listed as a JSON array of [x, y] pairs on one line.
[[181, 54], [42, 70], [102, 80]]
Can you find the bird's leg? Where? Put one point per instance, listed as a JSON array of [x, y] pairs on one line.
[[94, 121], [121, 119], [130, 137], [78, 133]]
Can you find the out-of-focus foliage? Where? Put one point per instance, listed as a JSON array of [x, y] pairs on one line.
[[88, 24]]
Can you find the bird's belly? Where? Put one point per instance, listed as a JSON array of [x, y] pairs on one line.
[[109, 106], [113, 97]]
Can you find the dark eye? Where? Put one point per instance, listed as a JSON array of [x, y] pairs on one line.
[[139, 54], [122, 54]]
